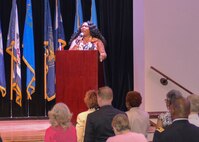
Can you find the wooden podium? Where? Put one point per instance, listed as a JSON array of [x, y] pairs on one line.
[[76, 73]]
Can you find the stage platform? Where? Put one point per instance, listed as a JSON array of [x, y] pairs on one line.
[[32, 129], [23, 130]]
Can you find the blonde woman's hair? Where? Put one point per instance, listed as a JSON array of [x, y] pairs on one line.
[[120, 122], [60, 115]]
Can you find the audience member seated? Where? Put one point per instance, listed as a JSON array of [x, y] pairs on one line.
[[164, 119], [194, 111], [98, 124], [122, 131], [90, 100], [180, 130], [138, 118], [61, 129]]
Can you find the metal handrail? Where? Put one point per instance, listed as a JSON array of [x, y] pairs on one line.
[[168, 78]]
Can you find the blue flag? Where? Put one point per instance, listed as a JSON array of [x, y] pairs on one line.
[[59, 38], [93, 13], [49, 81], [2, 72], [78, 15], [28, 51], [13, 49]]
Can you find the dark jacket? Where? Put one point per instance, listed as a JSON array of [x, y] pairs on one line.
[[98, 124], [180, 131]]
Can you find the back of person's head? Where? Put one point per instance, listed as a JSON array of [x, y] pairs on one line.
[[180, 108], [105, 93], [120, 123], [133, 99], [60, 115], [90, 99], [194, 100], [172, 95]]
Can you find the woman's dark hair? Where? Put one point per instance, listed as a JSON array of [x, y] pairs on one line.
[[90, 99], [133, 98], [94, 31]]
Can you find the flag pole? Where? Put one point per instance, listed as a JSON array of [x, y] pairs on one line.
[[45, 97], [11, 78], [28, 107]]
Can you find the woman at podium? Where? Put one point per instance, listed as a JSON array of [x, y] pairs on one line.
[[88, 37]]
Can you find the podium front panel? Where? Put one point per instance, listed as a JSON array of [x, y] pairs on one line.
[[76, 73]]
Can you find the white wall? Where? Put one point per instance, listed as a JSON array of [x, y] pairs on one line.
[[169, 41], [138, 40]]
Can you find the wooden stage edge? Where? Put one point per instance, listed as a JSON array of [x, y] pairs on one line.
[[24, 118], [32, 129], [22, 129]]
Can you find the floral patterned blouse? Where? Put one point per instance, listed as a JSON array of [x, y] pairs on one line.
[[166, 118], [87, 46]]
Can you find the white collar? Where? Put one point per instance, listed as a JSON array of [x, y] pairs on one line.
[[177, 119]]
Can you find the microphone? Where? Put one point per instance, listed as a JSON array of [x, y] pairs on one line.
[[79, 38]]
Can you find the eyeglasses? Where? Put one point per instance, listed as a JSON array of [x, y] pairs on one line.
[[166, 100]]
